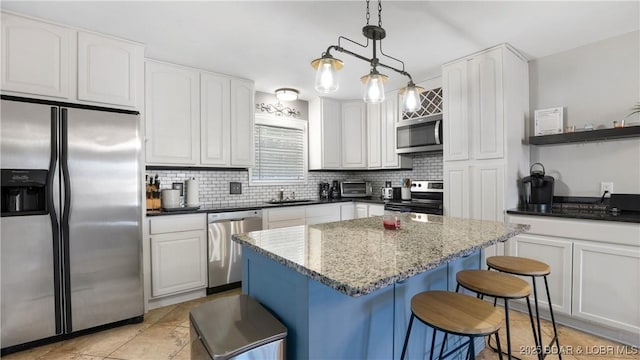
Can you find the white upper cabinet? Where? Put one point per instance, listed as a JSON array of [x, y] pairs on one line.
[[390, 116], [215, 119], [390, 113], [36, 57], [172, 114], [374, 137], [198, 118], [486, 105], [486, 95], [324, 134], [48, 61], [354, 135], [242, 120], [455, 109], [108, 69]]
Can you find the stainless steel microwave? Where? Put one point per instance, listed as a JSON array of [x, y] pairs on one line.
[[418, 135]]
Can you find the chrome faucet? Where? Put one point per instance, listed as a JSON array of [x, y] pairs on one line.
[[281, 196]]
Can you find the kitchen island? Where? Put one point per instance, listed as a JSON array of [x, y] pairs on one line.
[[343, 289]]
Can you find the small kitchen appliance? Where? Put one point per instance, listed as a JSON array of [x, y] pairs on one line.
[[391, 193], [387, 193], [170, 198], [624, 203], [335, 190], [324, 190], [419, 135], [355, 188], [537, 189]]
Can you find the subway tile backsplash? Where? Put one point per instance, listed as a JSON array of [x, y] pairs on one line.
[[214, 184]]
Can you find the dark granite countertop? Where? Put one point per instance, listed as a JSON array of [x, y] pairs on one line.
[[257, 205], [633, 217], [584, 208]]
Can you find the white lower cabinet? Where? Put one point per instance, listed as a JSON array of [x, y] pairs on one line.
[[347, 211], [362, 211], [595, 270], [606, 284], [368, 210], [274, 218], [178, 254], [283, 217], [376, 210], [557, 254], [324, 213]]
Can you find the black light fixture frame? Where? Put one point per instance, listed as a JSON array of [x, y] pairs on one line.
[[373, 33]]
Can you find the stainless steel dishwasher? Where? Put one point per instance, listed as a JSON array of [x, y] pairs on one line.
[[225, 255]]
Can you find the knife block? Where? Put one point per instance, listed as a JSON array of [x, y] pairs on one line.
[[153, 197]]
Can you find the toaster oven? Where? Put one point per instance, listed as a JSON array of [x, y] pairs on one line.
[[355, 189]]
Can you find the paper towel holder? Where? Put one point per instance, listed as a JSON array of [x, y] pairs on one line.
[[192, 192]]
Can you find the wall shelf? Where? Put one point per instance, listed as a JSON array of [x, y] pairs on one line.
[[584, 136]]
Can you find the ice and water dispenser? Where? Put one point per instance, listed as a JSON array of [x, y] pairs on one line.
[[24, 192]]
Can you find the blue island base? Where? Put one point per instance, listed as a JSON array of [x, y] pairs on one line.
[[323, 323]]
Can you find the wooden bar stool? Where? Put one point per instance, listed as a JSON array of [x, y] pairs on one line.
[[533, 268], [498, 285], [456, 314]]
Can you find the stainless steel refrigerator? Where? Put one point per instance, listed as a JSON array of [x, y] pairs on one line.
[[71, 215]]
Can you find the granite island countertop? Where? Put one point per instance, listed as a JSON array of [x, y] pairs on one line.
[[357, 257]]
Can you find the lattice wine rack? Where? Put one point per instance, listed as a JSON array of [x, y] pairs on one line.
[[431, 105]]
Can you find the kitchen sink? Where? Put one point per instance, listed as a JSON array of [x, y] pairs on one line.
[[274, 201]]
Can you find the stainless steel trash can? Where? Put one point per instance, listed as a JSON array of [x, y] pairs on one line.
[[235, 327]]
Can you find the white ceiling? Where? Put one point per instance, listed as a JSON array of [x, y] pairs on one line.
[[273, 42]]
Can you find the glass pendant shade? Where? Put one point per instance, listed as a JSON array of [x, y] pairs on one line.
[[411, 97], [326, 74], [374, 87]]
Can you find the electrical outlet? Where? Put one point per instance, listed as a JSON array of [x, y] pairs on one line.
[[606, 186], [235, 187]]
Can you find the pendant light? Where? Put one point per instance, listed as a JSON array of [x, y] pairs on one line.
[[326, 76], [374, 87], [327, 67], [411, 97]]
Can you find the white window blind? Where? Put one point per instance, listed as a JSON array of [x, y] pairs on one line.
[[280, 153]]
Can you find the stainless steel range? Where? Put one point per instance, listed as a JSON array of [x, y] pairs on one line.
[[426, 198]]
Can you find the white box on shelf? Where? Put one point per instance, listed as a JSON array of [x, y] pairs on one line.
[[548, 121]]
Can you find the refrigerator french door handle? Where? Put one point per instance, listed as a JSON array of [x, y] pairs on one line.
[[55, 226], [64, 166]]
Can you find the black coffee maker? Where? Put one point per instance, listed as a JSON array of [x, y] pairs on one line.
[[335, 190], [324, 190], [537, 190]]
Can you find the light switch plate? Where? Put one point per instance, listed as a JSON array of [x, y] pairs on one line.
[[235, 187]]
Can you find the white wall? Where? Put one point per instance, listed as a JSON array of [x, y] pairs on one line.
[[596, 84]]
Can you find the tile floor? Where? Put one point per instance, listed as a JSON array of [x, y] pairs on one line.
[[164, 334]]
